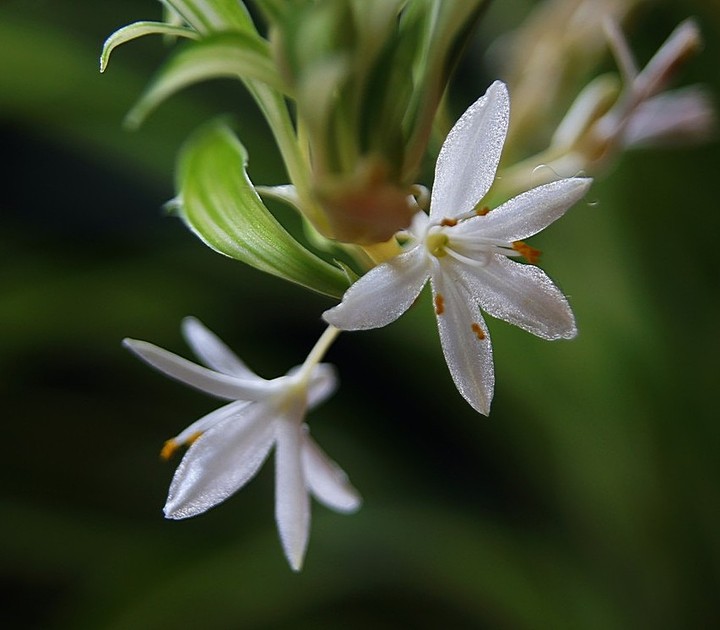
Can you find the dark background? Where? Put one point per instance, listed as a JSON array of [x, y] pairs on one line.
[[587, 500]]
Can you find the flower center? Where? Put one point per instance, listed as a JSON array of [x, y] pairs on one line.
[[436, 243]]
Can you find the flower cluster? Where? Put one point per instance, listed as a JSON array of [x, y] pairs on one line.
[[352, 125]]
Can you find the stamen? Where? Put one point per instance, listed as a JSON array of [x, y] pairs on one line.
[[169, 449], [439, 304], [530, 254], [478, 331], [482, 211], [449, 222], [171, 446], [479, 262]]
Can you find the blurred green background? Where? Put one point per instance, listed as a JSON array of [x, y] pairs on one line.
[[588, 500]]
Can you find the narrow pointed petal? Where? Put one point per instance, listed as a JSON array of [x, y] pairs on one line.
[[469, 157], [323, 384], [529, 212], [465, 342], [682, 43], [326, 480], [220, 462], [220, 385], [522, 295], [676, 118], [208, 421], [212, 351], [292, 503], [382, 294]]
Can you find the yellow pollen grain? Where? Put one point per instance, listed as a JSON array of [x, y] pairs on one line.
[[478, 331], [168, 449], [448, 222], [530, 254], [481, 212], [439, 304]]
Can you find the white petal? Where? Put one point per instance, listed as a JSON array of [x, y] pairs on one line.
[[528, 213], [323, 383], [465, 342], [677, 117], [292, 504], [208, 421], [220, 462], [212, 351], [469, 157], [684, 41], [326, 480], [382, 294], [520, 294], [220, 385]]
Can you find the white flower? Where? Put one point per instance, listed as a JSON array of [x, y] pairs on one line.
[[465, 253], [643, 114], [649, 115], [228, 446]]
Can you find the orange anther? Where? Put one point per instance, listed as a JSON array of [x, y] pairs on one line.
[[481, 212], [478, 331], [168, 449], [448, 222], [530, 254], [439, 304]]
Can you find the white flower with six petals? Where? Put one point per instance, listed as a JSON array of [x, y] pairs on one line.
[[465, 252], [228, 446]]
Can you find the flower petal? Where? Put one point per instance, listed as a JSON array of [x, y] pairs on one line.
[[529, 212], [220, 462], [520, 294], [323, 383], [465, 342], [292, 503], [212, 351], [208, 421], [220, 385], [326, 480], [382, 294], [673, 118], [683, 42], [469, 157]]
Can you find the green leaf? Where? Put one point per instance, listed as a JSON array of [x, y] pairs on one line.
[[239, 55], [213, 16], [219, 203], [138, 29]]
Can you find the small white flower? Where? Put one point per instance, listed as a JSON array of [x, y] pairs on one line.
[[647, 114], [465, 253], [228, 446]]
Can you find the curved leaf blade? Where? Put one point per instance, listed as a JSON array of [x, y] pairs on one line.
[[212, 16], [139, 29], [219, 204], [224, 55]]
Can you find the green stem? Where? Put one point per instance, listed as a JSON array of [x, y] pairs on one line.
[[322, 345]]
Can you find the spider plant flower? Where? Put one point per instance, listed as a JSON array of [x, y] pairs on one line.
[[612, 115], [466, 251], [228, 446], [544, 59]]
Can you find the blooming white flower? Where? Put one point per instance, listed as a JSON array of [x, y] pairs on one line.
[[647, 114], [643, 114], [465, 251], [228, 446]]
